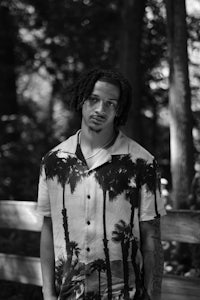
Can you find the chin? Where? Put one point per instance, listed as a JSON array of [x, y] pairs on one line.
[[95, 129]]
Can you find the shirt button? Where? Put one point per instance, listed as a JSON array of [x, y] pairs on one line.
[[88, 196], [88, 222], [88, 249]]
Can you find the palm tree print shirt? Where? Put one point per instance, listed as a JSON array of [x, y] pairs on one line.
[[95, 215]]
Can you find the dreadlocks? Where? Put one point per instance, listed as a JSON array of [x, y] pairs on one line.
[[83, 88]]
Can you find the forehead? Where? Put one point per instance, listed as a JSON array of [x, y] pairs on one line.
[[107, 89]]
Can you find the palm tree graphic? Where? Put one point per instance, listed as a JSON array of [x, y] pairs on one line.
[[69, 271], [123, 231], [114, 178], [123, 175], [146, 174], [127, 176], [73, 282], [98, 265], [68, 170], [122, 234], [104, 177], [61, 265]]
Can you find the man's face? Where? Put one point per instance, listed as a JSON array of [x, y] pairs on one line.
[[100, 108]]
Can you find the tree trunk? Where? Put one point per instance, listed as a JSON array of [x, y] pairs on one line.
[[99, 279], [125, 250], [8, 99], [106, 250], [130, 51], [66, 231], [181, 142]]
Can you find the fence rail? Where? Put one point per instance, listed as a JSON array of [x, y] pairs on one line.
[[178, 225]]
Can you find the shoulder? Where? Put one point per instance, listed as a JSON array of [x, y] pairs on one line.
[[136, 150], [67, 146], [62, 150]]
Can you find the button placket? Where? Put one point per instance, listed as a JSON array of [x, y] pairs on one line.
[[90, 224], [87, 214]]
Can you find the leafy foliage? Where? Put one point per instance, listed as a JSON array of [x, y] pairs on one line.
[[53, 42], [65, 169]]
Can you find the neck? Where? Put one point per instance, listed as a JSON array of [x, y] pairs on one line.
[[93, 140]]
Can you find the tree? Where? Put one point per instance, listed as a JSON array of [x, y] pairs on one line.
[[130, 177], [71, 284], [181, 141], [130, 59], [145, 174], [68, 170], [114, 181], [122, 234], [61, 266], [103, 177], [58, 167], [8, 97], [98, 265]]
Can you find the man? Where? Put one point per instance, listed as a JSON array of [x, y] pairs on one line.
[[99, 195]]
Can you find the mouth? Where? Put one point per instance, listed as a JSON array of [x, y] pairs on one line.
[[97, 119]]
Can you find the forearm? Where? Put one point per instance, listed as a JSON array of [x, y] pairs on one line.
[[153, 271], [47, 261], [153, 257]]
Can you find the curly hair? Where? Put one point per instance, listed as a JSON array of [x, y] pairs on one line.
[[83, 88]]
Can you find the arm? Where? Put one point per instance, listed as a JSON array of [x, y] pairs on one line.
[[152, 252], [47, 260]]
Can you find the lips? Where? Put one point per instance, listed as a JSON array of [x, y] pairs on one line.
[[97, 119]]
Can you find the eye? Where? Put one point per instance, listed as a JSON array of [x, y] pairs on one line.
[[111, 104], [93, 99]]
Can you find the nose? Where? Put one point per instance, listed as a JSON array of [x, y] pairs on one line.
[[100, 107]]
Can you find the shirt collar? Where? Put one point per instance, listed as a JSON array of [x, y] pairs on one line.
[[73, 141], [120, 146]]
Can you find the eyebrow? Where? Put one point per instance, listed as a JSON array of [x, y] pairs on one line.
[[110, 99]]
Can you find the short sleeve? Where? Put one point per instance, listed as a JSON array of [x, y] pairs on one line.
[[151, 202], [43, 202]]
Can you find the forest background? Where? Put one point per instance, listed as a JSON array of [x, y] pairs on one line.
[[44, 47]]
